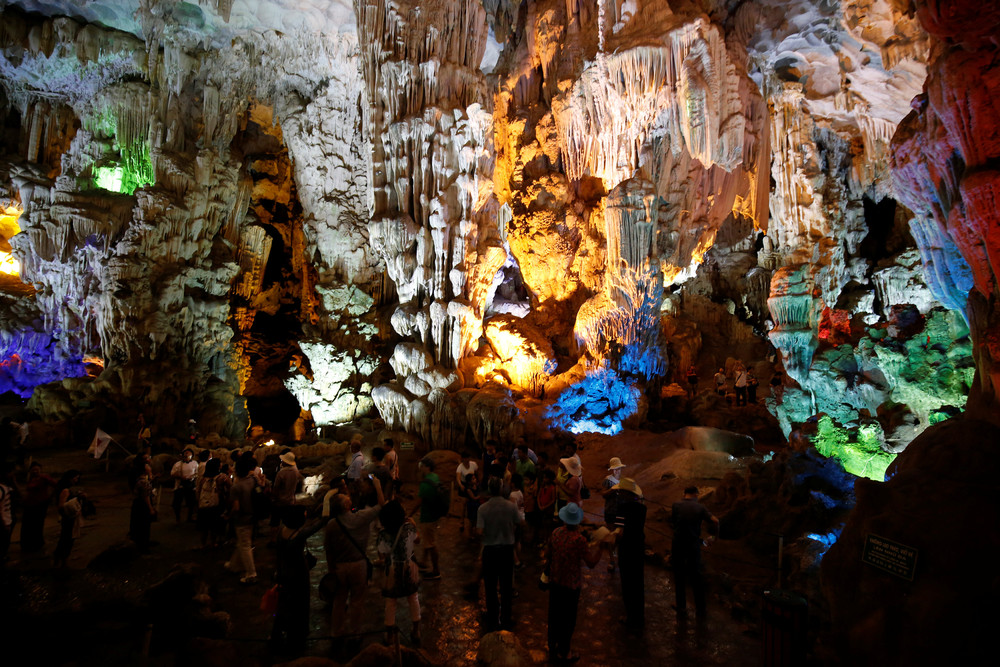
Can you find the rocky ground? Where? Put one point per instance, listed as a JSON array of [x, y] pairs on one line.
[[102, 611]]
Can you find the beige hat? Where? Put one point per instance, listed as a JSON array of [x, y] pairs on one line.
[[615, 463], [288, 458], [628, 484], [573, 466]]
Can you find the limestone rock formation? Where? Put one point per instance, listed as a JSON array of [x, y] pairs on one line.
[[443, 213], [943, 167], [943, 475]]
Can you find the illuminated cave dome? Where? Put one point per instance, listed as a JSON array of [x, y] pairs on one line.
[[449, 221]]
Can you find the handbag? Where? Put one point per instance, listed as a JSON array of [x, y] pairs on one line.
[[369, 566], [328, 587], [269, 601], [390, 573], [543, 578]]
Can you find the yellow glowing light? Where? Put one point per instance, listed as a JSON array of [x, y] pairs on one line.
[[8, 229], [9, 265], [698, 254], [269, 443]]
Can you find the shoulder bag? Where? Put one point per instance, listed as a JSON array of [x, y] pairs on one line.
[[368, 564]]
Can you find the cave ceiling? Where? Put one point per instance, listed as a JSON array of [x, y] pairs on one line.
[[460, 216]]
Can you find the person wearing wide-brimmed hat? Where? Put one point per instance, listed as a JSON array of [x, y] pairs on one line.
[[615, 467], [287, 483], [610, 495], [570, 481], [567, 551], [629, 522]]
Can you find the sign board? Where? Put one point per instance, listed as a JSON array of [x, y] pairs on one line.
[[892, 557], [405, 445]]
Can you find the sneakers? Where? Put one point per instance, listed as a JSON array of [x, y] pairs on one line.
[[249, 579]]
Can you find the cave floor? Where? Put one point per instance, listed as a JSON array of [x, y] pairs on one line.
[[451, 607]]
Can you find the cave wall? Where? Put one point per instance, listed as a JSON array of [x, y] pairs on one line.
[[448, 213], [162, 277], [944, 157]]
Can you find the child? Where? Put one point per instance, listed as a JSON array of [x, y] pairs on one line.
[[546, 505], [470, 491]]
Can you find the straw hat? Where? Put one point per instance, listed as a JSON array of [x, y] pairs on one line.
[[571, 514], [615, 463], [573, 466], [288, 458], [628, 484]]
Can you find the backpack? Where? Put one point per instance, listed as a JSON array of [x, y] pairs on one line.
[[260, 501], [443, 499], [209, 496]]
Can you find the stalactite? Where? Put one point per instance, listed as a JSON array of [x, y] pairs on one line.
[[625, 96]]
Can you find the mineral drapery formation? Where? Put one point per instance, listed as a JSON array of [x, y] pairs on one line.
[[449, 214], [945, 157], [163, 280], [430, 202], [944, 161]]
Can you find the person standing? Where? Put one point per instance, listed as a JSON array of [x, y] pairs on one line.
[[615, 467], [741, 385], [609, 491], [572, 481], [692, 381], [345, 542], [37, 497], [184, 472], [70, 516], [720, 382], [752, 384], [287, 483], [496, 525], [143, 512], [291, 618], [211, 493], [567, 552], [469, 489], [357, 464], [685, 558], [547, 498], [523, 464], [241, 512], [630, 524], [430, 514], [391, 459], [381, 472], [396, 546]]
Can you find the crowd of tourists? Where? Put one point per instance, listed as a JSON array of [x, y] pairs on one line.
[[738, 387], [509, 502]]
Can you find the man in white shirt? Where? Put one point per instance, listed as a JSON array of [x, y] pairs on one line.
[[391, 459], [720, 382], [185, 473], [357, 464], [466, 467]]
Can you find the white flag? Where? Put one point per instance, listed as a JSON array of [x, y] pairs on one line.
[[99, 444]]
